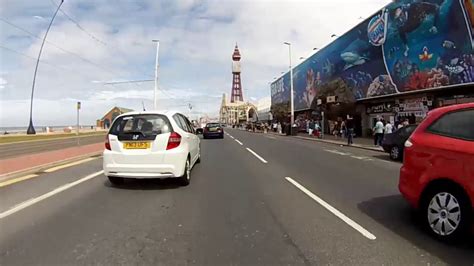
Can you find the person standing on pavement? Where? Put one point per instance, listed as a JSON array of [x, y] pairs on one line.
[[378, 132], [350, 129], [279, 128], [311, 127], [388, 128]]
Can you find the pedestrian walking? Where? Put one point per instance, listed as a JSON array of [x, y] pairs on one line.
[[343, 129], [350, 129], [279, 128], [378, 132], [388, 128]]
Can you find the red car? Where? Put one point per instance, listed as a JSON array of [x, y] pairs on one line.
[[437, 176]]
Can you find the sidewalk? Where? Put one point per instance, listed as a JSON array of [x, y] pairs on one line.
[[37, 161], [362, 143]]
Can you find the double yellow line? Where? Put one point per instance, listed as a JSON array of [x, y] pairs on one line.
[[49, 170]]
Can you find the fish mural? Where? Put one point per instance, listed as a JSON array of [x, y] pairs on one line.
[[407, 45], [425, 56]]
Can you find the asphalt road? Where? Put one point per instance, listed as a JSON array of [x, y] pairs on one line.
[[10, 150], [283, 202]]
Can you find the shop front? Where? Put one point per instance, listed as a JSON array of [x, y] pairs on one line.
[[383, 110]]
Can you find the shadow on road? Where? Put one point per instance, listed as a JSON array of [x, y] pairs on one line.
[[146, 184], [385, 157], [394, 213]]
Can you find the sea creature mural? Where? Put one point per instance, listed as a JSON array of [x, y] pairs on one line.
[[408, 17], [381, 85], [311, 89], [328, 68], [353, 56], [425, 56], [449, 44]]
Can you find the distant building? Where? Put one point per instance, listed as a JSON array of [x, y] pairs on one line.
[[106, 121], [236, 111]]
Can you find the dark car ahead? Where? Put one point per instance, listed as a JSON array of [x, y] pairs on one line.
[[213, 130], [393, 143]]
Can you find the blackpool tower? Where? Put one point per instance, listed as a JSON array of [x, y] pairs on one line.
[[236, 83]]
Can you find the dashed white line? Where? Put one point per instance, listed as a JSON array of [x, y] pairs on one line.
[[231, 137], [256, 155], [236, 140], [60, 189], [333, 210], [361, 158], [338, 152]]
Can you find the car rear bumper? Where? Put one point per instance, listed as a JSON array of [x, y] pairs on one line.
[[409, 186], [213, 134], [172, 166]]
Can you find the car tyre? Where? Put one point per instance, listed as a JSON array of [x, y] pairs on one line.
[[115, 180], [185, 178], [448, 220], [395, 153]]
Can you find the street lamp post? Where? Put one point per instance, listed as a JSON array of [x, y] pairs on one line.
[[31, 129], [155, 92], [292, 110]]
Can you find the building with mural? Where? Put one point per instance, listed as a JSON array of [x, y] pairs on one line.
[[406, 59]]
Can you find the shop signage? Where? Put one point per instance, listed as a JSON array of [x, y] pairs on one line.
[[380, 108]]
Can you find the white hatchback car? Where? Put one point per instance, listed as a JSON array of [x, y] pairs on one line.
[[151, 145]]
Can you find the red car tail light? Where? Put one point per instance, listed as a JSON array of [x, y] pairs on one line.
[[173, 141], [107, 143]]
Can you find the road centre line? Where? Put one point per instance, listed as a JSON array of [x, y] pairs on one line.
[[333, 210], [52, 169], [231, 137], [60, 189], [238, 142], [256, 155], [16, 180]]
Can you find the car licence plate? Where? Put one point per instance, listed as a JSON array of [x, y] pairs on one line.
[[212, 129], [136, 145]]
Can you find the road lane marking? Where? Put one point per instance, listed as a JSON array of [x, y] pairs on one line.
[[256, 155], [231, 137], [16, 180], [333, 210], [239, 142], [361, 158], [52, 169], [60, 189], [338, 152], [270, 137]]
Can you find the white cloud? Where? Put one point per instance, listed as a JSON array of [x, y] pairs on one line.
[[196, 44]]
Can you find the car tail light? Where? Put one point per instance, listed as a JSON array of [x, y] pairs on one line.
[[219, 130], [107, 143], [408, 143], [173, 141], [205, 129]]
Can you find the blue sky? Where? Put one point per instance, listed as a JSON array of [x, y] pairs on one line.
[[196, 43]]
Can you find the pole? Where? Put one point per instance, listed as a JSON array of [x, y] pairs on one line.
[[322, 124], [31, 129], [155, 92], [78, 107], [292, 108]]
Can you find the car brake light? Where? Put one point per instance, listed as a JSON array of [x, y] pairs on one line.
[[107, 143], [173, 141], [205, 129], [408, 143]]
